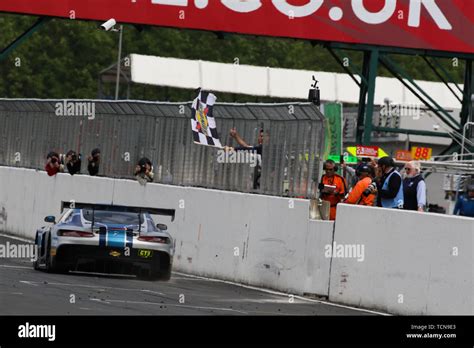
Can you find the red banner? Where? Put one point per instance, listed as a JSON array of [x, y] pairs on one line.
[[369, 151], [403, 155], [446, 25]]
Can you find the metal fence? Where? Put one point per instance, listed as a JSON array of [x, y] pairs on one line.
[[125, 131]]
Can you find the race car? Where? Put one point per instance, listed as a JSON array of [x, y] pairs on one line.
[[106, 239]]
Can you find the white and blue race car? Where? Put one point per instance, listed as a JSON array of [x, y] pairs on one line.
[[106, 239]]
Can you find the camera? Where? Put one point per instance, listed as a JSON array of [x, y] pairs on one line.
[[372, 188], [108, 25], [314, 93], [54, 160]]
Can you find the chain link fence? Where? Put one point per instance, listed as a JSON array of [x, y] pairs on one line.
[[125, 131]]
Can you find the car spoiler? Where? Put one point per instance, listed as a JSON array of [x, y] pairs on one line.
[[122, 208]]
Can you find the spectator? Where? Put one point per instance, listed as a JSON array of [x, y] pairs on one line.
[[244, 146], [73, 162], [332, 187], [465, 203], [414, 188], [360, 194], [350, 173], [144, 171], [389, 185], [53, 164], [94, 161]]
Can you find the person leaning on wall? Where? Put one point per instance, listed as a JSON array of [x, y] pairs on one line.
[[93, 162], [73, 162], [53, 164], [144, 171]]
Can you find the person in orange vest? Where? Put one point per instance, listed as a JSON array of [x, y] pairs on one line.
[[359, 193], [332, 187]]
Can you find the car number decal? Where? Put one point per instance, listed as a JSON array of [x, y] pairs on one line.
[[145, 253]]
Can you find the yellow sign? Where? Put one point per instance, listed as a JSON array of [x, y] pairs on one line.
[[353, 151], [421, 153], [114, 253]]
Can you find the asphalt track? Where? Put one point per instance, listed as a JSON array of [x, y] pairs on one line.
[[24, 291]]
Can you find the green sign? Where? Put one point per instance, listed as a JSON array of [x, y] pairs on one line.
[[347, 159], [333, 132]]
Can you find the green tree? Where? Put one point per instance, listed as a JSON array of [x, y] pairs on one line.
[[64, 57]]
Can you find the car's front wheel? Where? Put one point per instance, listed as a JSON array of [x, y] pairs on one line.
[[36, 265]]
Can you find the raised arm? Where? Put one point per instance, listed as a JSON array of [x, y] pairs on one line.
[[233, 133]]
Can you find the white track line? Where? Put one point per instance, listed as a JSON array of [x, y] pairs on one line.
[[168, 305], [281, 294], [17, 238], [98, 287], [9, 266]]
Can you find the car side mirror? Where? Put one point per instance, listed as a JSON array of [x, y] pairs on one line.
[[162, 227], [50, 219]]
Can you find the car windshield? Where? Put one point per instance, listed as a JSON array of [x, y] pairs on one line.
[[112, 217]]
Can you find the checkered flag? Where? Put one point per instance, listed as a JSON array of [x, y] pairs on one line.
[[203, 123]]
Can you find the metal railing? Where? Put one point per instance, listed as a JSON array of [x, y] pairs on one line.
[[125, 131]]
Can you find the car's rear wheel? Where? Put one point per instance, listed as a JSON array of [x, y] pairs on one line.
[[165, 274], [159, 275], [162, 270], [159, 269], [52, 266]]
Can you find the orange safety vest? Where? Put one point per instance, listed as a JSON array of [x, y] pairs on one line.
[[356, 195], [337, 196]]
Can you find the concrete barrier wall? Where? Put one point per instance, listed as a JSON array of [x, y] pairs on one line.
[[414, 263], [253, 239]]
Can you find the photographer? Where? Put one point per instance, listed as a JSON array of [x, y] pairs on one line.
[[53, 164], [73, 162], [144, 171], [94, 161], [361, 193]]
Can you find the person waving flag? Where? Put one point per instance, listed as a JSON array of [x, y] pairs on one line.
[[203, 123]]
